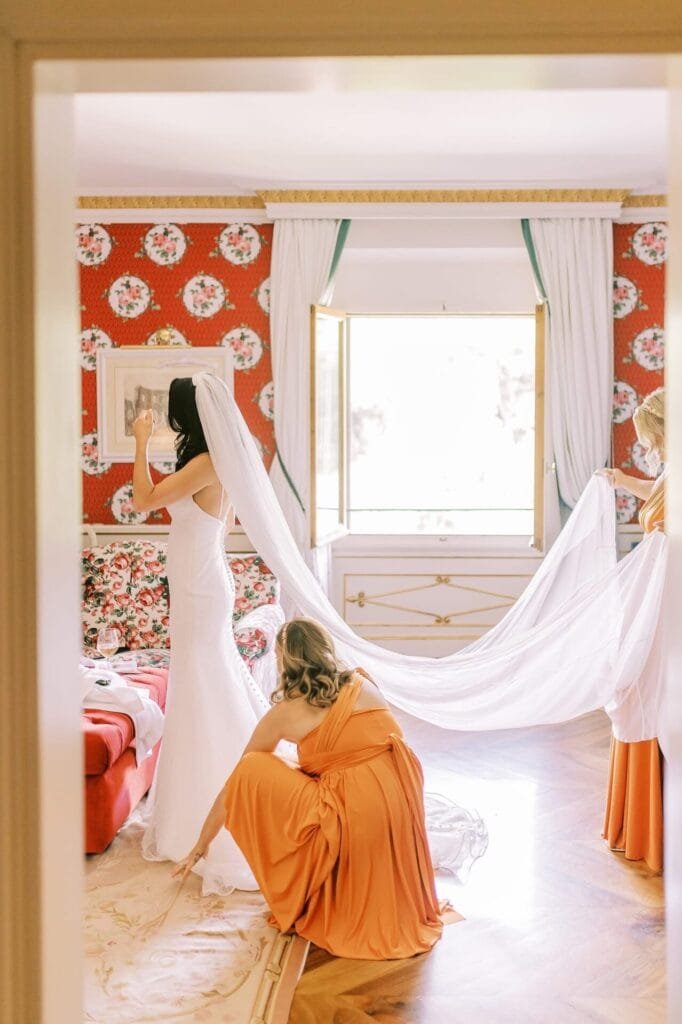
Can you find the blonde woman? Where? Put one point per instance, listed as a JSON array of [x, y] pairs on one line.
[[339, 845], [633, 822]]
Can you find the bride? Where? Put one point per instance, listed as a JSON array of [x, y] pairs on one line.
[[213, 703]]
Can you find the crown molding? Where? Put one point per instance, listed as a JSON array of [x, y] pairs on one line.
[[469, 195], [633, 201], [276, 204], [170, 202]]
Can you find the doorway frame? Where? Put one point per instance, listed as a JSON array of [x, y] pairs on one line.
[[40, 768]]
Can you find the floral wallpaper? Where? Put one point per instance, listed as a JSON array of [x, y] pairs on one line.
[[206, 284], [639, 253]]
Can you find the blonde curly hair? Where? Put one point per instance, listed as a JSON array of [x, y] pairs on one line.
[[649, 418], [309, 666]]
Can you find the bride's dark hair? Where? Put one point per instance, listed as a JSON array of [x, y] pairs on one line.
[[183, 417], [309, 666]]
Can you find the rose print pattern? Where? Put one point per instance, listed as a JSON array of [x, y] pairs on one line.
[[129, 296], [102, 325], [638, 459], [648, 348], [639, 341], [266, 401], [625, 297], [90, 460], [239, 243], [204, 296], [624, 401], [165, 244], [626, 506], [125, 585], [649, 244], [247, 348], [93, 339], [251, 644], [121, 503], [263, 296], [93, 244]]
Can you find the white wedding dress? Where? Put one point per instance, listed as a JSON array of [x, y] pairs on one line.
[[212, 707]]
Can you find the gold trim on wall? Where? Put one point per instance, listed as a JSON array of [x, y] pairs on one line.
[[259, 200], [640, 201], [497, 195], [170, 203]]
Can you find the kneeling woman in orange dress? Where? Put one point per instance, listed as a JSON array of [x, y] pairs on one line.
[[338, 845], [633, 822]]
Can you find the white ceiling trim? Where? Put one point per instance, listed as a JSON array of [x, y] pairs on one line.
[[642, 214], [439, 211]]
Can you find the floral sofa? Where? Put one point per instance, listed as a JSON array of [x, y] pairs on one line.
[[125, 586]]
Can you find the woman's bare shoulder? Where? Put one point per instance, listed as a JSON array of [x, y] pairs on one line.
[[370, 695]]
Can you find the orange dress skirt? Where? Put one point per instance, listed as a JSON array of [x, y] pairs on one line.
[[633, 822], [338, 846]]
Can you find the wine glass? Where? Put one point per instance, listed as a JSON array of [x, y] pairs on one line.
[[108, 642]]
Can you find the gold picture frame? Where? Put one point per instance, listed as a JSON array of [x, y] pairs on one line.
[[136, 377]]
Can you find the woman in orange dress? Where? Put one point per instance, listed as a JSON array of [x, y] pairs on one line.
[[633, 823], [338, 845]]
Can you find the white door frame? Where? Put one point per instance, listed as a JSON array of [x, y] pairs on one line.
[[58, 493]]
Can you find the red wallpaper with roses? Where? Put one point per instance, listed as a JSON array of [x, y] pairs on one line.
[[208, 285], [639, 252]]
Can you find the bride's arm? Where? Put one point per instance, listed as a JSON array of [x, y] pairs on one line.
[[147, 496]]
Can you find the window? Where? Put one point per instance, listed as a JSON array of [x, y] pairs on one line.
[[441, 424]]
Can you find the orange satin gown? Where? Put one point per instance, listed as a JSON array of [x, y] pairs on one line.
[[339, 845], [633, 823]]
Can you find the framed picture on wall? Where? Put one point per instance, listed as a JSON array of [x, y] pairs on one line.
[[132, 379]]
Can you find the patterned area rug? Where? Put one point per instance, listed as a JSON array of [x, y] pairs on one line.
[[209, 959]]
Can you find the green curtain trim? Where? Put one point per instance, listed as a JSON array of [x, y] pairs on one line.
[[289, 480], [533, 256], [341, 237]]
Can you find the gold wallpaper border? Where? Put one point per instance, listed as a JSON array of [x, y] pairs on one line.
[[645, 201], [260, 200], [170, 203], [497, 195]]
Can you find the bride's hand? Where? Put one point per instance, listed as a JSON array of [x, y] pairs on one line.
[[184, 866], [613, 475], [143, 427]]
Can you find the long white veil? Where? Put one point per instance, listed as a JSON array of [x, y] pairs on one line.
[[584, 635]]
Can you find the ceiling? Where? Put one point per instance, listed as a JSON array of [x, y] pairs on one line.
[[316, 134]]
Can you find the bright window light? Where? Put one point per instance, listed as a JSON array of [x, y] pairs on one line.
[[441, 424]]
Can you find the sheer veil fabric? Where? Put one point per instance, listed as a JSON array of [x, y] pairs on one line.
[[584, 635]]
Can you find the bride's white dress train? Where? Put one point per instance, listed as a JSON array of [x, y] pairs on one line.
[[213, 702]]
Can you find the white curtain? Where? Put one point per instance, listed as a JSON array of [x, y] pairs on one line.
[[575, 261], [584, 635], [302, 253]]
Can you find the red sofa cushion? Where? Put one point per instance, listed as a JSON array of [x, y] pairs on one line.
[[108, 734]]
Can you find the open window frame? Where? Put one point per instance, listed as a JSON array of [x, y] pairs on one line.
[[328, 426]]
